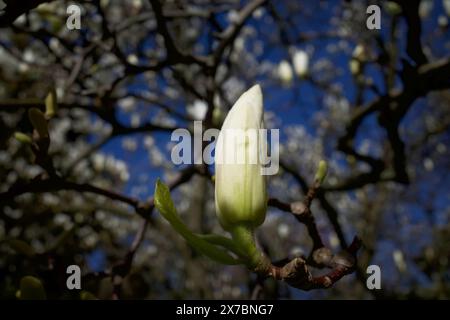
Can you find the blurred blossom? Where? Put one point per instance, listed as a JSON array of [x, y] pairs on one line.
[[156, 157], [233, 88], [285, 73], [441, 148], [117, 166], [20, 21], [233, 16], [135, 120], [29, 56], [98, 160], [443, 21], [55, 45], [239, 44], [129, 144], [127, 104], [149, 141], [137, 4], [171, 93], [50, 199], [428, 164], [104, 3], [360, 53], [258, 48], [63, 220], [90, 240], [283, 230], [333, 240], [301, 63], [133, 59], [446, 4], [164, 119], [13, 213], [5, 157], [297, 252], [425, 8], [197, 110], [258, 13], [399, 260]]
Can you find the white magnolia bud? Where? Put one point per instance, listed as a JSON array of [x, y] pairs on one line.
[[285, 72], [240, 190], [301, 63]]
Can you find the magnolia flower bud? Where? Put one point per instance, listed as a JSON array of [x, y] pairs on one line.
[[51, 104], [321, 172], [240, 190], [285, 72], [301, 63]]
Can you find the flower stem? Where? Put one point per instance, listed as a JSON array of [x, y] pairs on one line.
[[244, 238]]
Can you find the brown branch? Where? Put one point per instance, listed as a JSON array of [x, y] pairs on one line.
[[410, 10], [296, 272], [106, 112], [331, 212], [53, 184], [16, 8], [302, 212], [173, 53], [391, 109], [121, 269], [232, 31]]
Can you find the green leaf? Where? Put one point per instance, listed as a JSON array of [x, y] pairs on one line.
[[51, 104], [86, 295], [22, 137], [164, 204], [21, 247], [37, 119], [223, 242], [31, 288], [321, 171]]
